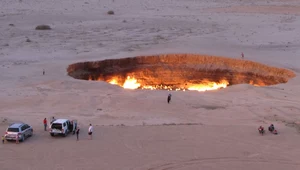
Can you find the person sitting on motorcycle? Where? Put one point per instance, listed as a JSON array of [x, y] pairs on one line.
[[271, 128]]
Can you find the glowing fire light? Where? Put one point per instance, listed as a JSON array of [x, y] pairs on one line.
[[209, 86], [113, 81], [132, 83], [257, 84]]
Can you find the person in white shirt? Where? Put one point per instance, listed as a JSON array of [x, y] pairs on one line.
[[90, 131]]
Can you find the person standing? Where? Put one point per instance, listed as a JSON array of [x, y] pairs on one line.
[[43, 71], [271, 128], [91, 131], [169, 98], [77, 133], [3, 139], [45, 124], [242, 55], [53, 119], [17, 139]]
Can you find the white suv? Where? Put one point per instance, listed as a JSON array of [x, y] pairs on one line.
[[62, 127]]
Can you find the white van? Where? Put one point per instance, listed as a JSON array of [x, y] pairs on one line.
[[62, 127]]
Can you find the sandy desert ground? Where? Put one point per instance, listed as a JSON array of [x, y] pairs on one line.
[[135, 130]]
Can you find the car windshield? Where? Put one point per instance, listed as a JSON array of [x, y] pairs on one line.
[[56, 126], [13, 129]]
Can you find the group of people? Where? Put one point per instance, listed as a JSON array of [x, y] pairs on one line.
[[45, 122], [90, 130], [271, 129]]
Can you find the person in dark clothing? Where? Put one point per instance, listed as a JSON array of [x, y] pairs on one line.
[[169, 98], [77, 133], [53, 119], [271, 128]]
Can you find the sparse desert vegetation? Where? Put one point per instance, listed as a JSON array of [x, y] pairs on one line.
[[110, 12], [43, 27]]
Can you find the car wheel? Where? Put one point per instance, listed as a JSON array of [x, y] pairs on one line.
[[23, 138], [67, 132], [52, 134], [30, 134]]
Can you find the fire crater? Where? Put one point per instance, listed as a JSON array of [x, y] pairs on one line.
[[179, 72]]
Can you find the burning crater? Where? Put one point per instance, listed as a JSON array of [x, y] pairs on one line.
[[179, 72]]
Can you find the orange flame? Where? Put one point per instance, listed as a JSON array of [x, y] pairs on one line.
[[259, 83], [209, 86], [113, 81], [132, 83]]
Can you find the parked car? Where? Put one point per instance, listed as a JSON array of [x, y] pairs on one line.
[[62, 127], [21, 130]]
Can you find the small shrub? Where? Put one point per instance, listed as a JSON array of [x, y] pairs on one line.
[[43, 27], [110, 12]]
